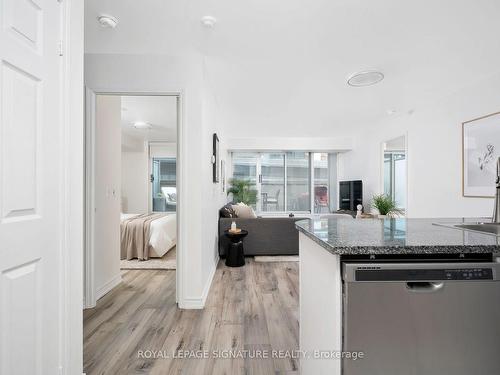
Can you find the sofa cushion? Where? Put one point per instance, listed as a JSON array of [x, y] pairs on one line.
[[243, 211]]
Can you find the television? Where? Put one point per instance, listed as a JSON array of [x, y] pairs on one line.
[[350, 194]]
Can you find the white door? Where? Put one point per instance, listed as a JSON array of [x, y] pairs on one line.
[[31, 175]]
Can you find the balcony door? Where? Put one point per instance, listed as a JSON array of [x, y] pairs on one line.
[[272, 182], [282, 179]]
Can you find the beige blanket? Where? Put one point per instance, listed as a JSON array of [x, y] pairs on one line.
[[135, 234]]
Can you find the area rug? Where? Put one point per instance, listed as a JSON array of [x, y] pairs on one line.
[[277, 258], [167, 262]]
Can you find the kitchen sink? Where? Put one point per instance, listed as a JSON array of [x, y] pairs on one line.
[[490, 228], [486, 227]]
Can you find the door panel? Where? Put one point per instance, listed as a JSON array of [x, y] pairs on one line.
[[23, 18], [453, 330], [31, 175], [272, 182], [21, 318], [20, 122]]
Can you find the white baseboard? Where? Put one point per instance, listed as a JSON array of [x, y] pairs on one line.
[[107, 287], [199, 302]]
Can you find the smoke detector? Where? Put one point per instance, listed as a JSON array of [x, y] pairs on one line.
[[107, 21], [365, 78], [208, 21]]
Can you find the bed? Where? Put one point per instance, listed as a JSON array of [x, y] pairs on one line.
[[145, 236]]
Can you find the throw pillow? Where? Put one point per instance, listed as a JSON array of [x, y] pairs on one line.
[[227, 211], [243, 211]]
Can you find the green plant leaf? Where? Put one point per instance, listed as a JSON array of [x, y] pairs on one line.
[[385, 205], [242, 191]]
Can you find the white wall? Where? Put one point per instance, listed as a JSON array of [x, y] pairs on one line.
[[135, 181], [200, 199], [163, 150], [107, 193], [212, 195], [318, 144], [434, 153]]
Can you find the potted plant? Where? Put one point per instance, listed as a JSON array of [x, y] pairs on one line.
[[243, 191], [386, 206]]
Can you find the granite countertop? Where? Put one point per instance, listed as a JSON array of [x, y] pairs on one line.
[[344, 236]]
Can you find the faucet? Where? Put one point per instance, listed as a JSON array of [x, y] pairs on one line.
[[496, 208]]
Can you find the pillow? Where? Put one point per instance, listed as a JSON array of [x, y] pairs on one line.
[[243, 211], [227, 211]]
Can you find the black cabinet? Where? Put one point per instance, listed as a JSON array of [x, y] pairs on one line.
[[350, 194]]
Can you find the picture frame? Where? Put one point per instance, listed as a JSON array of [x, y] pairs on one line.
[[480, 151], [215, 159], [223, 175]]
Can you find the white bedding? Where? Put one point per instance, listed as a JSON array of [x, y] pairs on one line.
[[163, 236]]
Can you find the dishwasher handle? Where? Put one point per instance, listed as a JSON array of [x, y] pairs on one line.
[[423, 286]]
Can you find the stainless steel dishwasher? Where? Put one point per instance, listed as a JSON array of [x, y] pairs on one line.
[[412, 318]]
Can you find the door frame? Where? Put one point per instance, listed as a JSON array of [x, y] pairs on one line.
[[89, 250], [72, 243], [381, 168]]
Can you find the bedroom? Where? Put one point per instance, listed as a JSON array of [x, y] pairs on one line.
[[132, 160]]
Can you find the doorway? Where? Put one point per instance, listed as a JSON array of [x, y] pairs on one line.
[[148, 135], [394, 171]]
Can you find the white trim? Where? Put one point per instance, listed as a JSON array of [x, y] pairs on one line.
[[72, 278], [108, 286], [181, 197], [89, 292], [182, 224], [311, 183], [199, 302]]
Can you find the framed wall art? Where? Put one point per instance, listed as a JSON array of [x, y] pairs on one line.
[[480, 151], [215, 159]]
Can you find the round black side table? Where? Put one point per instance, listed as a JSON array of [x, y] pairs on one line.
[[235, 256]]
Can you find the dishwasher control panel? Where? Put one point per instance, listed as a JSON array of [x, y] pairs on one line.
[[424, 274], [469, 274]]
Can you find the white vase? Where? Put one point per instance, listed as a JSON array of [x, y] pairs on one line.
[[382, 216]]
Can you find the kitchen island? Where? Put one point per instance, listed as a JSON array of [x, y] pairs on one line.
[[330, 249]]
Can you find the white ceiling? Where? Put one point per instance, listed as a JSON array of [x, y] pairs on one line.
[[280, 66], [159, 111]]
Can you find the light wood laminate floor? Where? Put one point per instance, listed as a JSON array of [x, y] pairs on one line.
[[253, 308]]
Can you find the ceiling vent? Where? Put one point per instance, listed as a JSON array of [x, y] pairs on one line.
[[142, 125], [365, 78], [106, 21], [208, 21]]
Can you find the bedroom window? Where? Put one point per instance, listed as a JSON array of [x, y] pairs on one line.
[[292, 181], [164, 184]]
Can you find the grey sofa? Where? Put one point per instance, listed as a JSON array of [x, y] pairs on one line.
[[266, 235]]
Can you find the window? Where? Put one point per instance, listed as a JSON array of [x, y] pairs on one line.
[[272, 182], [298, 177], [395, 177], [245, 167], [164, 181], [321, 183], [285, 180]]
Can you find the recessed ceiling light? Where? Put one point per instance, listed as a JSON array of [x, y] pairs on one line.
[[107, 21], [208, 21], [391, 112], [365, 78], [142, 125]]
